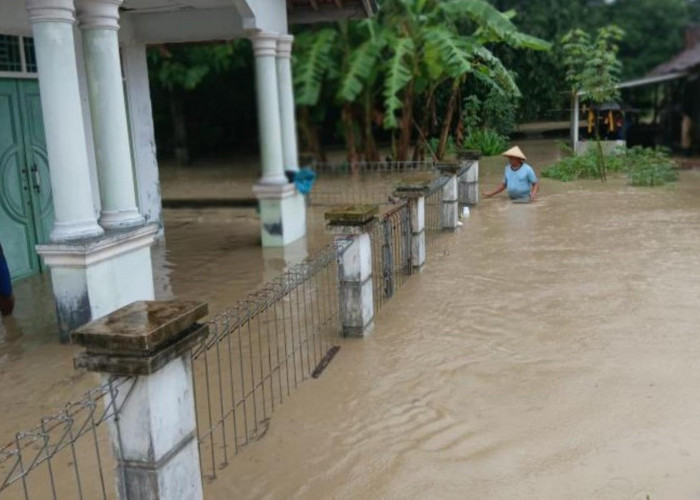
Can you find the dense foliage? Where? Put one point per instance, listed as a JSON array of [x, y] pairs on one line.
[[643, 166], [654, 33], [399, 67]]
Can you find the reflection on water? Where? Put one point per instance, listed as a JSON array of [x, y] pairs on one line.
[[546, 351]]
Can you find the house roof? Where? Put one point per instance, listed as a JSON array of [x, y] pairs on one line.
[[315, 11], [683, 62]]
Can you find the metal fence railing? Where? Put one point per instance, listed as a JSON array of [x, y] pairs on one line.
[[259, 351], [68, 455], [390, 237], [433, 207], [378, 167]]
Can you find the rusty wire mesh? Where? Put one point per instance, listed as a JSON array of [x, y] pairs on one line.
[[433, 209], [68, 455], [259, 351], [390, 237]]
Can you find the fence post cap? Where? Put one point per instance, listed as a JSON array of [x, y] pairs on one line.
[[449, 168], [414, 185], [351, 215], [469, 154], [140, 338]]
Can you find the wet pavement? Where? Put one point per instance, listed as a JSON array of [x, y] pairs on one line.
[[546, 351]]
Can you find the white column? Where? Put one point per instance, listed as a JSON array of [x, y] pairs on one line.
[[574, 122], [265, 50], [138, 99], [99, 22], [52, 27], [286, 94]]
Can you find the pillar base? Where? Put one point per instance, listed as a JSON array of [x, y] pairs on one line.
[[282, 214], [93, 277], [72, 231], [121, 220]]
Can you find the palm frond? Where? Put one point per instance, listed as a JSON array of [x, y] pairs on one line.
[[311, 62], [360, 67], [454, 53], [398, 74]]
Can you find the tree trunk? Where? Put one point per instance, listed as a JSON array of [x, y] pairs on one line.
[[405, 125], [177, 114], [310, 134], [447, 122], [423, 128], [371, 152], [350, 138]]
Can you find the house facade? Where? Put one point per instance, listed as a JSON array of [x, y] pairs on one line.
[[79, 188]]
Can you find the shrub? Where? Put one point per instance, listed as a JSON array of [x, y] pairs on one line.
[[644, 166], [486, 140]]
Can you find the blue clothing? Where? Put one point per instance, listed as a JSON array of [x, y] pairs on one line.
[[5, 282], [519, 182]]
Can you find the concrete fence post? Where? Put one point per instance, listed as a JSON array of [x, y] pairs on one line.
[[449, 211], [414, 190], [154, 431], [469, 178], [351, 225]]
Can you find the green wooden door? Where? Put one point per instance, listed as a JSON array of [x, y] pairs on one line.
[[26, 209]]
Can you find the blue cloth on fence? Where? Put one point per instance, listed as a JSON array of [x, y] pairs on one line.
[[304, 180], [5, 282]]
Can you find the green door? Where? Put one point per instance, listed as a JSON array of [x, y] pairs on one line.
[[26, 208]]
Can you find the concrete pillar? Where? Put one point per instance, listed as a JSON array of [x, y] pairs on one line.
[[468, 178], [155, 437], [282, 207], [52, 28], [574, 121], [269, 123], [290, 154], [414, 190], [351, 226], [449, 211], [99, 22], [143, 142], [92, 278]]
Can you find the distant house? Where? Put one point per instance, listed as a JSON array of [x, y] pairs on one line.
[[664, 102]]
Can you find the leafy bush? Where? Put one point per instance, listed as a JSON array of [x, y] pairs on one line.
[[486, 140], [450, 146], [650, 167], [644, 166]]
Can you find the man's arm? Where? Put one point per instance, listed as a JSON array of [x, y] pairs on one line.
[[533, 190], [499, 189]]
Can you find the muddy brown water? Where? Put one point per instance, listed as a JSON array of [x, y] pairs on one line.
[[546, 351]]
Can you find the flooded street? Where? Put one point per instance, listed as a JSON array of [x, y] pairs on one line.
[[546, 351]]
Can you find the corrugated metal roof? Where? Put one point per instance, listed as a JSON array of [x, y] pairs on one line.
[[685, 61]]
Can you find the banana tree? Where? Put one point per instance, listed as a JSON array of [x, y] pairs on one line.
[[428, 49]]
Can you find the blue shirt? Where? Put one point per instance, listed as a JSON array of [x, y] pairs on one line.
[[518, 182]]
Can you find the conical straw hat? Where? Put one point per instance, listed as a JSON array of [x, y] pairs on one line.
[[514, 152]]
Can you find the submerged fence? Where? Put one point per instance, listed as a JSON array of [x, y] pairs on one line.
[[390, 237], [68, 455], [255, 355], [259, 351]]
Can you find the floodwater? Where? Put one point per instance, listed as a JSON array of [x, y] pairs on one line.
[[546, 351]]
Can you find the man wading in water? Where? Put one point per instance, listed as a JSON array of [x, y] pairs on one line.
[[519, 178]]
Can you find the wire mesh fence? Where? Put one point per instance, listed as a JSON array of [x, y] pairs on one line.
[[378, 167], [433, 207], [259, 351], [390, 238], [68, 455]]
